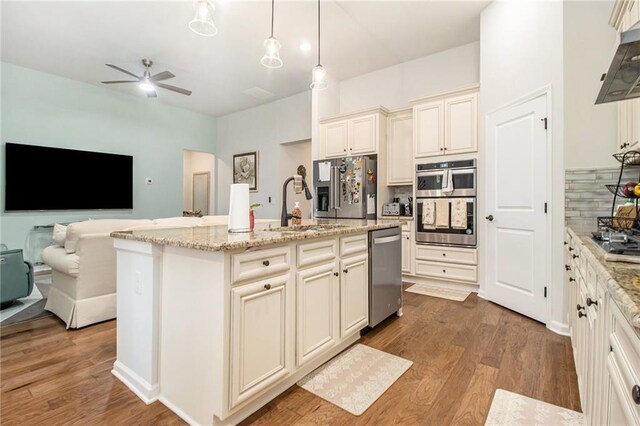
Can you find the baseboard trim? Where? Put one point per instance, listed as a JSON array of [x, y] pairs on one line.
[[146, 392], [559, 328]]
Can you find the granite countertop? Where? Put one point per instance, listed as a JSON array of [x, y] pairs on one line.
[[217, 238], [623, 278]]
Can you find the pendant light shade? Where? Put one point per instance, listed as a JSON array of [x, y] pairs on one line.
[[318, 74], [202, 22], [271, 58]]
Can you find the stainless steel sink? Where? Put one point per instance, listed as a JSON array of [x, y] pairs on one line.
[[306, 228]]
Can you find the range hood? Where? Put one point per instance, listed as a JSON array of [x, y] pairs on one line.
[[622, 81]]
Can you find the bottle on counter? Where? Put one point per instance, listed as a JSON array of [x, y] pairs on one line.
[[296, 214]]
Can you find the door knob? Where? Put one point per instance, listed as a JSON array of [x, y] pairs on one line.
[[489, 218]]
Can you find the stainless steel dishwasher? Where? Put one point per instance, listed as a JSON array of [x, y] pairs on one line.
[[385, 274]]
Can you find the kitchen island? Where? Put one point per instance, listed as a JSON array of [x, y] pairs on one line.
[[215, 325]]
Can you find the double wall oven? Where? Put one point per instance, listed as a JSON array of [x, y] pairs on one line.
[[432, 184]]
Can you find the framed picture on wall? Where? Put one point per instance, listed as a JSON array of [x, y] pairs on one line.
[[245, 169]]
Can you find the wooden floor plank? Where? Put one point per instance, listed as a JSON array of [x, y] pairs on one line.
[[461, 352]]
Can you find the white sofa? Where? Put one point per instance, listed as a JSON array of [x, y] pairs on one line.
[[84, 267]]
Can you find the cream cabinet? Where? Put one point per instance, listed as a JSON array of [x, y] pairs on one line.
[[407, 253], [446, 263], [261, 317], [362, 133], [446, 124], [400, 147], [354, 293], [317, 310]]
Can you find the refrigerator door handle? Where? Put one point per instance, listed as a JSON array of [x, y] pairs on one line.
[[332, 190], [335, 180]]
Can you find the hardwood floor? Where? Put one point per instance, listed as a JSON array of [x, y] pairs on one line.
[[461, 352]]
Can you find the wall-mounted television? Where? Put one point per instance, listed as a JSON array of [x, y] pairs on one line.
[[46, 178]]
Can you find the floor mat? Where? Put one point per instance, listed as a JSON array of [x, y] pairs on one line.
[[508, 408], [443, 293], [356, 378]]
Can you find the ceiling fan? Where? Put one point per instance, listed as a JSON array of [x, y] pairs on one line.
[[148, 82]]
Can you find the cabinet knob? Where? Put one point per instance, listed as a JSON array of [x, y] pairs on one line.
[[624, 145], [265, 262], [635, 394], [267, 286], [570, 248], [346, 271], [591, 302], [567, 267], [565, 243], [571, 279], [444, 270], [575, 256], [578, 307], [444, 254], [581, 314], [335, 274]]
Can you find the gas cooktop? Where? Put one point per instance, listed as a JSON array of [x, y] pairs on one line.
[[618, 243]]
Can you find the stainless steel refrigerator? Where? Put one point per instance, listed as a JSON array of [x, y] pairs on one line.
[[345, 188]]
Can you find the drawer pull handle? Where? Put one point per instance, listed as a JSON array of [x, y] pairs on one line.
[[575, 256], [578, 307], [567, 267], [265, 263], [346, 271], [267, 286], [635, 394], [571, 279], [591, 302], [581, 314]]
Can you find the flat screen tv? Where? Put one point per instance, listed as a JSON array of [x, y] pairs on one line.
[[44, 178]]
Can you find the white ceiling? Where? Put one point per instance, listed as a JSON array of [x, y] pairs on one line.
[[76, 39]]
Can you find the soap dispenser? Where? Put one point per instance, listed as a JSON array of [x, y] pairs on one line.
[[296, 214]]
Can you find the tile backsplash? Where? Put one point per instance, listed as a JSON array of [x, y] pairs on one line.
[[403, 192], [586, 198]]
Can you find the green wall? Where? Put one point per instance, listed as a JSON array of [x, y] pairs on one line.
[[44, 109]]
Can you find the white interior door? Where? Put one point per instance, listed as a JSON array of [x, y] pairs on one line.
[[516, 225]]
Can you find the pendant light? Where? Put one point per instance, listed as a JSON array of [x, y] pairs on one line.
[[202, 22], [319, 75], [271, 58]]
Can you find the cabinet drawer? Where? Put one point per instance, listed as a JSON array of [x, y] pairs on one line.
[[353, 244], [260, 263], [316, 252], [447, 254], [447, 271]]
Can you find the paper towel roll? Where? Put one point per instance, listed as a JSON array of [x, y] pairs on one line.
[[239, 208]]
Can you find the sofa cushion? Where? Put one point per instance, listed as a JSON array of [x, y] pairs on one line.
[[215, 220], [59, 234], [173, 222], [61, 261], [101, 226]]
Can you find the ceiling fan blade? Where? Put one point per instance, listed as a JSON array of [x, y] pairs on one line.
[[174, 88], [123, 70], [164, 75], [152, 94], [119, 81]]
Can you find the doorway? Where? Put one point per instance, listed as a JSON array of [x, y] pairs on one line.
[[292, 155], [516, 225], [198, 182]]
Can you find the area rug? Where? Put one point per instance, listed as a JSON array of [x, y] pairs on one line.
[[443, 293], [30, 307], [512, 409], [356, 378]]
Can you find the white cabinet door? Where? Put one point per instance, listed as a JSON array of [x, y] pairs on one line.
[[461, 116], [428, 122], [354, 294], [624, 125], [260, 322], [334, 138], [399, 149], [406, 252], [317, 310], [363, 135]]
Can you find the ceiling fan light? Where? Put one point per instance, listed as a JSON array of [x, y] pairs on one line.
[[146, 86], [319, 80], [202, 22], [271, 58]]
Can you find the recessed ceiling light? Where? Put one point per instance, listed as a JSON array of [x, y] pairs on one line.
[[305, 46]]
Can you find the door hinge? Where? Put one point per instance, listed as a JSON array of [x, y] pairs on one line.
[[545, 121], [545, 207], [545, 292]]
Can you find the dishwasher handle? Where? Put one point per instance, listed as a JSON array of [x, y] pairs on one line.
[[383, 240]]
